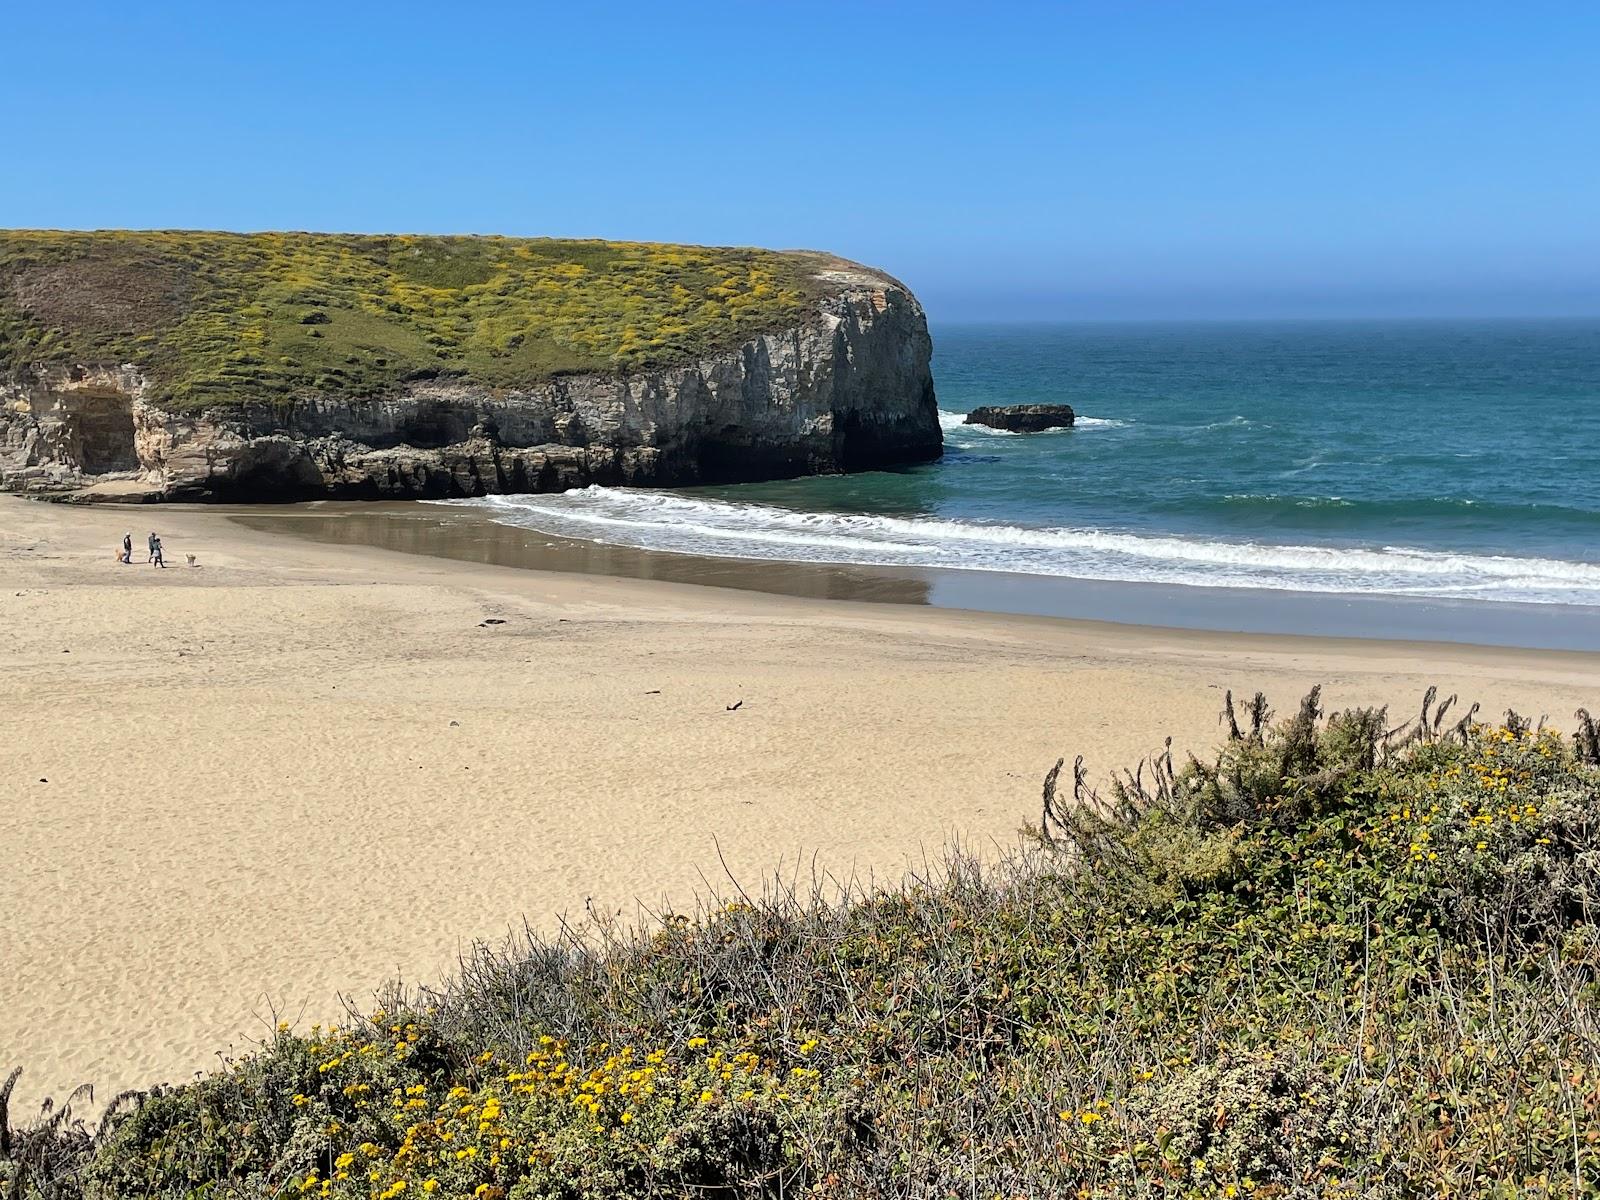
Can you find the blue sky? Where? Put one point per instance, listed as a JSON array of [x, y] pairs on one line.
[[1079, 160]]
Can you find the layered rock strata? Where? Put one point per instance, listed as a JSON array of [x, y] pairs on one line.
[[847, 389]]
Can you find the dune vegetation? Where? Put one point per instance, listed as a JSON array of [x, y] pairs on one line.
[[1335, 959], [232, 319]]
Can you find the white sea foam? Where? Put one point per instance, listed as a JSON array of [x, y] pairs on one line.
[[956, 423], [1236, 421], [671, 522]]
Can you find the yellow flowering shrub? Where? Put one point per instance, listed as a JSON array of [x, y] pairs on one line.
[[1328, 962], [234, 319]]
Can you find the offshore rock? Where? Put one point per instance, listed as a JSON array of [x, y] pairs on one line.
[[847, 389], [1023, 418]]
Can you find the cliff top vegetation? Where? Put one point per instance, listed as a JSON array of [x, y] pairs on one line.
[[1334, 960], [233, 319]]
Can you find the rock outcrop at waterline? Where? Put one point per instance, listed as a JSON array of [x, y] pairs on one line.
[[1023, 418], [843, 387]]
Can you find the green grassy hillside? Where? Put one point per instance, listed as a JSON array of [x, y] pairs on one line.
[[1328, 962], [222, 318]]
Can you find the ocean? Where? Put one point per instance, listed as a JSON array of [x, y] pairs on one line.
[[1453, 461]]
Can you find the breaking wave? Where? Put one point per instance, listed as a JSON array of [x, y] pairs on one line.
[[670, 522]]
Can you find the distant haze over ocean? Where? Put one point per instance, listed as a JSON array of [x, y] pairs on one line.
[[1442, 459]]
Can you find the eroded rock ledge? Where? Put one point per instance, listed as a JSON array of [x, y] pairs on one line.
[[1023, 418], [848, 389]]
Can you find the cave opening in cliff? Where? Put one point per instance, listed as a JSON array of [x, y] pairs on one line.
[[732, 457], [104, 427]]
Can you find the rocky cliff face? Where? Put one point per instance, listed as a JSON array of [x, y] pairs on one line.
[[848, 389]]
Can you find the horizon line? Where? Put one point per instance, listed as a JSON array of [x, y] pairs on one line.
[[1264, 319]]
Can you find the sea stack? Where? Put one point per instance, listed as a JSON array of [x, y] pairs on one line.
[[249, 367], [1023, 418]]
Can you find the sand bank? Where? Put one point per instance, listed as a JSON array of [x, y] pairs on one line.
[[299, 769]]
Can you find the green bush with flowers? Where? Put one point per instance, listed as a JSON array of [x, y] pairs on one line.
[[1336, 959], [231, 319]]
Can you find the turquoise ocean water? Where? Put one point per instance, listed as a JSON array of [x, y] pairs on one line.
[[1454, 461]]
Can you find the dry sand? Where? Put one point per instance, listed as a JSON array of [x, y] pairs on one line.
[[300, 770]]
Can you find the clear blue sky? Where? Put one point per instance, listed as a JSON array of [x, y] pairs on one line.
[[1115, 159]]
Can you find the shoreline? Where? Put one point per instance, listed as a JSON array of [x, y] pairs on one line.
[[304, 769], [470, 535]]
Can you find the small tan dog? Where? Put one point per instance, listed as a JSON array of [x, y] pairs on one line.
[[190, 557]]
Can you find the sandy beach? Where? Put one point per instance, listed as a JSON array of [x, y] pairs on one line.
[[234, 792]]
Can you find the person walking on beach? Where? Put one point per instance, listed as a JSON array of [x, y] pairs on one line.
[[152, 542], [127, 547], [155, 551]]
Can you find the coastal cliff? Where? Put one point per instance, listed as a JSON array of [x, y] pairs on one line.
[[684, 386]]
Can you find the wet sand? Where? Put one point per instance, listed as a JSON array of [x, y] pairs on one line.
[[299, 769], [469, 535]]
